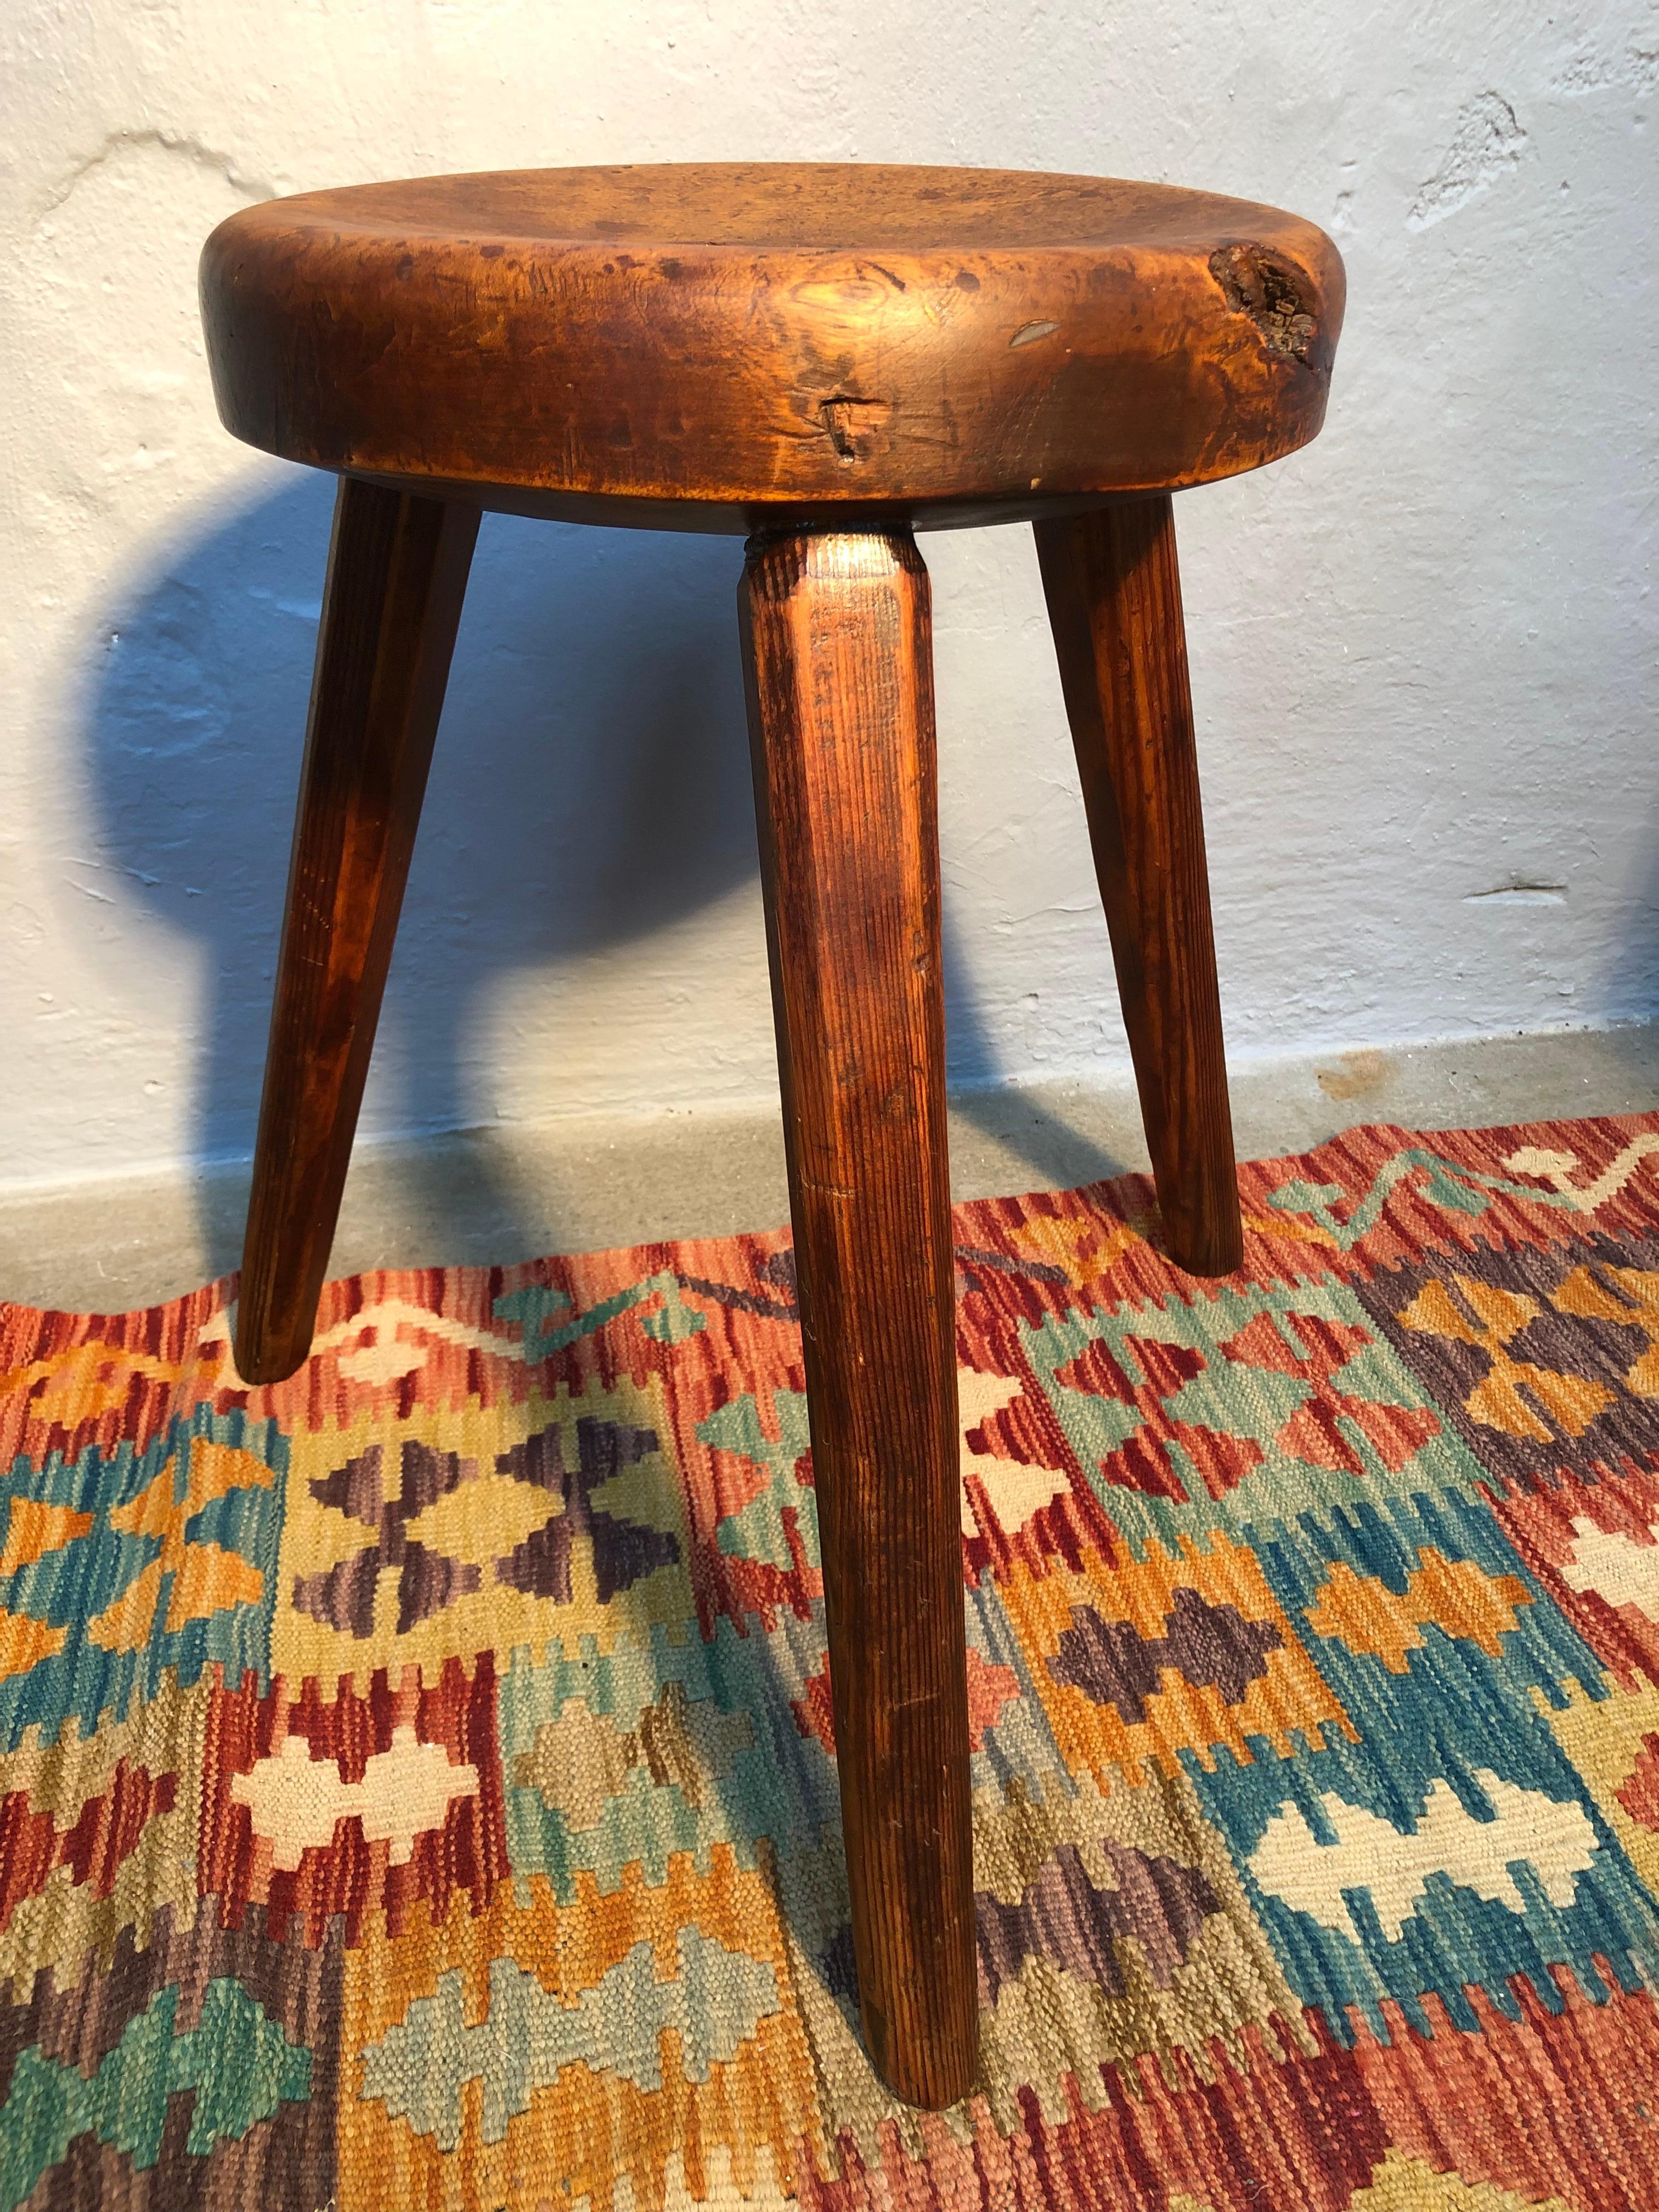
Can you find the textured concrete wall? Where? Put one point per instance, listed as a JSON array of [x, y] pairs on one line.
[[1424, 651]]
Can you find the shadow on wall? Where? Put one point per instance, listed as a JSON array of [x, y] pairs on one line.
[[590, 782], [591, 786]]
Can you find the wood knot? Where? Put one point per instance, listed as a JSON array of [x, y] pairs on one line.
[[850, 420], [1273, 292]]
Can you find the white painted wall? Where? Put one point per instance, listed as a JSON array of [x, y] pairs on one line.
[[1424, 651]]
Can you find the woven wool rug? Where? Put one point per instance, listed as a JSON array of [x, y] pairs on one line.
[[416, 1781]]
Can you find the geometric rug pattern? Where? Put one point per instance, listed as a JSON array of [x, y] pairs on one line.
[[417, 1779]]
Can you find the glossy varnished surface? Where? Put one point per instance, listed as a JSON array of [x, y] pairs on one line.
[[1114, 594], [838, 654], [831, 355], [759, 339]]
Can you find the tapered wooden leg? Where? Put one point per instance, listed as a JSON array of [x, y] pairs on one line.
[[839, 650], [1114, 594], [397, 574]]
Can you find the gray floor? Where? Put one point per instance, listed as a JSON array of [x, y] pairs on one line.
[[513, 1193]]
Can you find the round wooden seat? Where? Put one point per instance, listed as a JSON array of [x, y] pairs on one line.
[[714, 346]]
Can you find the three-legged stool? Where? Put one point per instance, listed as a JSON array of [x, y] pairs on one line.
[[828, 359]]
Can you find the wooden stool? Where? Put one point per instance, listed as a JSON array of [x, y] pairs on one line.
[[829, 359]]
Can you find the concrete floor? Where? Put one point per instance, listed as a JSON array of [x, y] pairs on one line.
[[511, 1193]]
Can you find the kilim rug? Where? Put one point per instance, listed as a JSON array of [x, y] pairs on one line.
[[417, 1786]]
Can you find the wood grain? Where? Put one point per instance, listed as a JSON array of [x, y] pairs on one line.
[[397, 574], [1114, 594], [838, 654], [720, 347], [827, 355]]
